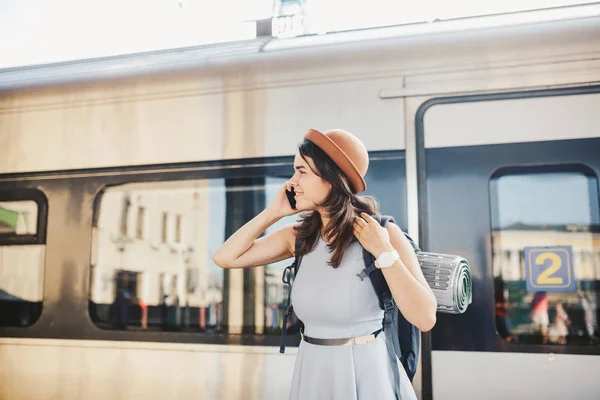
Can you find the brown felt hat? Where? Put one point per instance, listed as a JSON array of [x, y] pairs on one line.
[[347, 151]]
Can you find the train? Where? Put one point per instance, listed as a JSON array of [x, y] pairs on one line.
[[120, 177]]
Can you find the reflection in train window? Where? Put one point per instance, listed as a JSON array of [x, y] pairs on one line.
[[21, 265], [161, 275], [166, 279], [153, 270], [276, 293], [546, 254], [18, 218]]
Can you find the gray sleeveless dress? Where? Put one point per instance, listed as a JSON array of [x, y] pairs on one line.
[[335, 303]]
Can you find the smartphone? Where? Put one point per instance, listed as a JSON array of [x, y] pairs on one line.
[[290, 195]]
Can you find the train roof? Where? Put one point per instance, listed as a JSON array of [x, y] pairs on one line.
[[583, 19]]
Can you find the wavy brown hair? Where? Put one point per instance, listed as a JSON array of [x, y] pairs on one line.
[[341, 205]]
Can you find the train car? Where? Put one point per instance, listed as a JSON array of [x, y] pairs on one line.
[[120, 176]]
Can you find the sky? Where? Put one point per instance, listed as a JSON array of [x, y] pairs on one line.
[[548, 199], [34, 32]]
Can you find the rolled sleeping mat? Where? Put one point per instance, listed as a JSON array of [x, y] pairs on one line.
[[449, 277]]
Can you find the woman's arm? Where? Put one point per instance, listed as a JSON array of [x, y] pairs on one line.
[[410, 290], [243, 249]]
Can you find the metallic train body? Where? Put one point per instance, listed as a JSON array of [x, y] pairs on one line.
[[455, 108]]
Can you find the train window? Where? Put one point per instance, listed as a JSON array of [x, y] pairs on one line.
[[22, 254], [161, 281], [150, 278], [166, 279], [546, 254]]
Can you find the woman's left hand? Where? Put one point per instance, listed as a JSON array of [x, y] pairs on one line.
[[371, 235]]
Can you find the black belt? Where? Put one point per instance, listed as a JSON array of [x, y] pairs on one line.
[[342, 342]]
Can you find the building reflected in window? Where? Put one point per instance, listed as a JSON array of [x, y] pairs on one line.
[[158, 277]]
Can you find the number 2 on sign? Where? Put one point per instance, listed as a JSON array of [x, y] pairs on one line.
[[546, 278]]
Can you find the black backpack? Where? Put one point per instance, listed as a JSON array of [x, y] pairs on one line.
[[402, 337]]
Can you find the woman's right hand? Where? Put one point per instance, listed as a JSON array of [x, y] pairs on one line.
[[281, 205]]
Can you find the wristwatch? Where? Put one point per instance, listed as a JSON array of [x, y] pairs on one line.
[[387, 259]]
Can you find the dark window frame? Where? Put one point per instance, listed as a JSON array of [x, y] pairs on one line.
[[516, 170], [42, 217], [39, 238]]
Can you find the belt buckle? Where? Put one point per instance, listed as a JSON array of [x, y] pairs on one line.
[[363, 339]]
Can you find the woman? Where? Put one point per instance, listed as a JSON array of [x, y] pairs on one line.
[[327, 295]]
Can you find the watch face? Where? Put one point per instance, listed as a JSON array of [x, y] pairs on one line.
[[387, 257]]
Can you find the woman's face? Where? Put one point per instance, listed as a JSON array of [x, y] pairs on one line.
[[311, 190]]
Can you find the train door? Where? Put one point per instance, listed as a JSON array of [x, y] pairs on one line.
[[510, 181]]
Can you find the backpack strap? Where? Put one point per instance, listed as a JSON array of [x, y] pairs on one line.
[[386, 302], [287, 280], [371, 271], [405, 346]]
